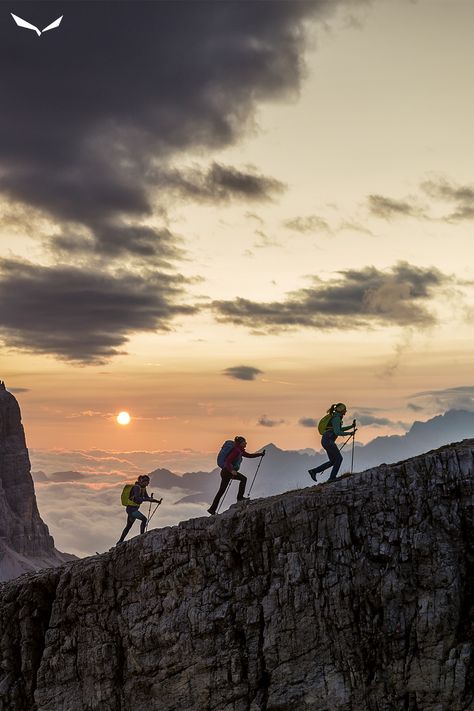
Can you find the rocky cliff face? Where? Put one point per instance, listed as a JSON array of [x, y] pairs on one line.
[[356, 595], [25, 543]]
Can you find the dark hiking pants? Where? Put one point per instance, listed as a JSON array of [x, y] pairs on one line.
[[335, 457], [132, 516], [226, 477]]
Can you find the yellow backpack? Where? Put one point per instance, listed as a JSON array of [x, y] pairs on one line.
[[324, 422], [126, 500]]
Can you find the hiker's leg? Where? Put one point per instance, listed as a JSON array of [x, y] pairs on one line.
[[127, 528], [242, 484], [142, 518], [328, 442], [336, 459], [225, 478], [322, 467]]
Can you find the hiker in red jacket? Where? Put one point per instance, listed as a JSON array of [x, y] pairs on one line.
[[230, 471]]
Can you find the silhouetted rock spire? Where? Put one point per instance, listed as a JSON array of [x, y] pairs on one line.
[[25, 543]]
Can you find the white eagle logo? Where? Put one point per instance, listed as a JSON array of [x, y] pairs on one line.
[[29, 26]]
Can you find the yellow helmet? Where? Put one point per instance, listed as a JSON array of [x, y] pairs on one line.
[[340, 407]]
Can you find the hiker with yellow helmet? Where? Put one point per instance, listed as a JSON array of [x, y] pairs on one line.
[[330, 426]]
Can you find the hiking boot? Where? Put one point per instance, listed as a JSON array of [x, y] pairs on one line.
[[313, 473], [211, 511], [243, 499]]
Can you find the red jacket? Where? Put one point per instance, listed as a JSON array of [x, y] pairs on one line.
[[236, 453]]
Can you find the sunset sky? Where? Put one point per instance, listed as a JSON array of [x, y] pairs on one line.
[[222, 217]]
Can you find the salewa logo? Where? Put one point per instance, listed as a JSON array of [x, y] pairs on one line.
[[29, 26]]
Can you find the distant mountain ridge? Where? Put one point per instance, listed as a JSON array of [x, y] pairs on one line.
[[452, 426]]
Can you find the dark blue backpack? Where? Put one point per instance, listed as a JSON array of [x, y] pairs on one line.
[[226, 448]]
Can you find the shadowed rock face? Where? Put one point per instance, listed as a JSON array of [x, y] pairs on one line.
[[356, 595], [25, 543]]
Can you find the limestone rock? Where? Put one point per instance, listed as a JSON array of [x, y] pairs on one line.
[[352, 596], [25, 543]]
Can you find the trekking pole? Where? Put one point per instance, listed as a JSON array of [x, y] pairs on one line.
[[225, 492], [347, 440], [353, 441], [149, 509], [255, 476], [153, 513]]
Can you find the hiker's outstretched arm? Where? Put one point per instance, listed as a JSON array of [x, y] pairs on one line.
[[349, 427], [338, 427]]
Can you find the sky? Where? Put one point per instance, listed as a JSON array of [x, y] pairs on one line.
[[224, 216]]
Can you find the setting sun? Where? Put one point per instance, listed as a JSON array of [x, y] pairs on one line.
[[123, 418]]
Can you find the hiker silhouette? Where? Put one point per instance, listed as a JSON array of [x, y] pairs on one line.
[[132, 498], [230, 459], [330, 426]]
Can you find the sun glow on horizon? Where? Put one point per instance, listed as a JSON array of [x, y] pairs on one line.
[[123, 418]]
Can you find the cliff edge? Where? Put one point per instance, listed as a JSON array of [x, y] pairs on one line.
[[356, 595]]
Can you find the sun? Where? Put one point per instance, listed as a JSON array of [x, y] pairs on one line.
[[123, 418]]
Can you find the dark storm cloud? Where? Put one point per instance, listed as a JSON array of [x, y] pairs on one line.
[[97, 116], [93, 111], [265, 421], [81, 315], [222, 183], [242, 372], [462, 196], [387, 208], [355, 299], [308, 422]]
